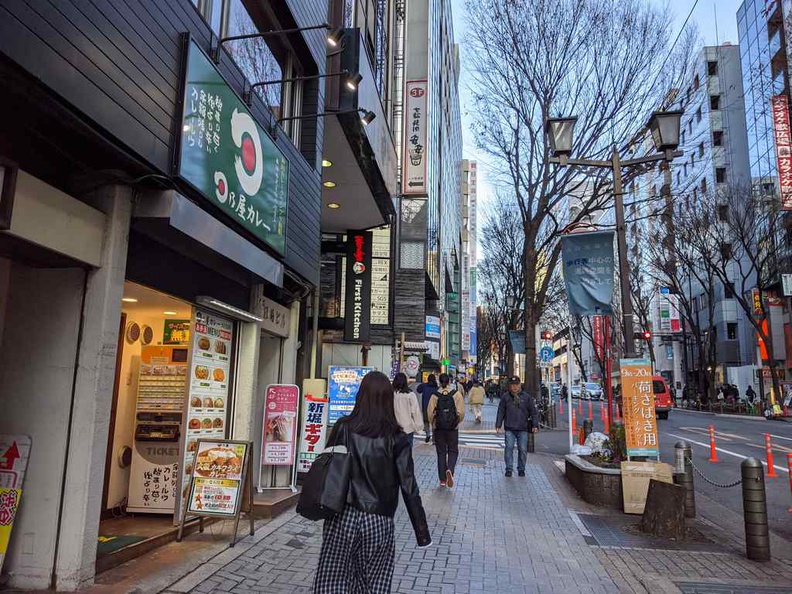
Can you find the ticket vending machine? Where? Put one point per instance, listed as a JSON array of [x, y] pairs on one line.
[[161, 394]]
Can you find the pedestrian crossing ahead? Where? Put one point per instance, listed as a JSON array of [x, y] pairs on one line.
[[473, 440]]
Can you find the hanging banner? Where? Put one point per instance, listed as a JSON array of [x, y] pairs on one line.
[[517, 339], [280, 424], [588, 272], [638, 405], [357, 318], [598, 336], [313, 426], [342, 390], [415, 125], [783, 144], [14, 454]]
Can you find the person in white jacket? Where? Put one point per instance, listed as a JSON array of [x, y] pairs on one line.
[[405, 405]]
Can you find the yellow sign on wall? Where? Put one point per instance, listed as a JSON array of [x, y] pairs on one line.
[[638, 403]]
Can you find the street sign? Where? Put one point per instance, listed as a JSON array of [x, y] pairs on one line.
[[546, 354], [664, 290], [786, 281]]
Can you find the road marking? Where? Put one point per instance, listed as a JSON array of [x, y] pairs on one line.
[[780, 437], [706, 446], [705, 431]]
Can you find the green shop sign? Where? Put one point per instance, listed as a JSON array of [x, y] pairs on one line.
[[228, 157]]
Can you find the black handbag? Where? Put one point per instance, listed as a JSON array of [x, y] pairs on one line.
[[325, 488]]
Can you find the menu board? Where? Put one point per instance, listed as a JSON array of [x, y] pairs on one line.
[[280, 421], [217, 483], [211, 341]]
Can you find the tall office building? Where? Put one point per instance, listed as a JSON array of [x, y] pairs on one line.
[[469, 223], [429, 267]]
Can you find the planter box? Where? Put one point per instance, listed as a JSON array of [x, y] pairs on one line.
[[600, 486]]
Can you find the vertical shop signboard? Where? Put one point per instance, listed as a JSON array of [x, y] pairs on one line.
[[313, 425], [638, 403], [357, 319], [415, 127], [227, 156], [209, 377], [14, 454], [783, 143], [342, 390], [280, 424]]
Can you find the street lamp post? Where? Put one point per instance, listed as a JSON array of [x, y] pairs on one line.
[[664, 128]]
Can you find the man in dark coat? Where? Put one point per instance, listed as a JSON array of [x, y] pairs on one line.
[[517, 414], [426, 391]]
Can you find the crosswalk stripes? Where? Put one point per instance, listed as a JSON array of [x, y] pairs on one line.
[[474, 440]]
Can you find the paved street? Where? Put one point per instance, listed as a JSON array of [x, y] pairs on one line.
[[493, 534]]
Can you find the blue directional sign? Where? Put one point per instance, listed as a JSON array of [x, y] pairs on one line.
[[546, 354]]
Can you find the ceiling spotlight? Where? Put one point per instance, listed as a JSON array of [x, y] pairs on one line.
[[129, 300], [333, 205], [329, 184], [353, 81], [170, 313], [326, 163], [367, 117], [334, 37]]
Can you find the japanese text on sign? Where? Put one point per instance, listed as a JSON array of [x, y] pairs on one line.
[[414, 162], [783, 143], [638, 404]]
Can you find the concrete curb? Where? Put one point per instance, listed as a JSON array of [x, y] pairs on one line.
[[723, 415]]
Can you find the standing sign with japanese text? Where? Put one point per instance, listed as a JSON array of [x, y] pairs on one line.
[[342, 390], [227, 156], [217, 486], [783, 144], [313, 424], [14, 454], [415, 125], [209, 379], [280, 424], [638, 405]]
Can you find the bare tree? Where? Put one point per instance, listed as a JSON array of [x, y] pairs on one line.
[[746, 237], [606, 61]]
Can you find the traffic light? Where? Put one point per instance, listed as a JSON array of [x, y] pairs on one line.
[[647, 335], [547, 335]]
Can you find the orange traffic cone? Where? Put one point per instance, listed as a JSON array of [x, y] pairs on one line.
[[713, 450], [771, 473]]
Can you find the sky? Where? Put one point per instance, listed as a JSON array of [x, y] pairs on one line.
[[716, 21]]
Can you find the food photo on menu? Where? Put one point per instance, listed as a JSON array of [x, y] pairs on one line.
[[280, 427], [218, 462]]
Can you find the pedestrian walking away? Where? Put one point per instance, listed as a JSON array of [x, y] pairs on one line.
[[476, 400], [358, 545], [405, 405], [426, 391], [446, 410], [517, 415]]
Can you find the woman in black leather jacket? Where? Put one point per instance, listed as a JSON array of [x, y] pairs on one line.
[[358, 546]]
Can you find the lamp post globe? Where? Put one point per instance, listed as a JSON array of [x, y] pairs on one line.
[[664, 127], [560, 135]]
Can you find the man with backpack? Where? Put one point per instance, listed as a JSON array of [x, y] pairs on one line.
[[446, 410], [426, 392], [517, 413]]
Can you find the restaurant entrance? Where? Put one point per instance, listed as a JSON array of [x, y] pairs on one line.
[[172, 386]]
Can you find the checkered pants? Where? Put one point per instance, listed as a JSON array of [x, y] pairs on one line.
[[357, 554]]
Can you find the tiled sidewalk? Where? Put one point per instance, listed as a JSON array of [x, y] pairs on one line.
[[491, 534]]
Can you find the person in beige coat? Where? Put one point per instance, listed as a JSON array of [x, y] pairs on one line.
[[476, 400], [446, 411], [405, 405]]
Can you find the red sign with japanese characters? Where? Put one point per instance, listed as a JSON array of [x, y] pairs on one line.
[[783, 142], [280, 424]]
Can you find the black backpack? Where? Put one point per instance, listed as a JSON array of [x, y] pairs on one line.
[[446, 415]]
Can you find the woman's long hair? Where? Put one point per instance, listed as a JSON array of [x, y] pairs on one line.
[[400, 385], [373, 415]]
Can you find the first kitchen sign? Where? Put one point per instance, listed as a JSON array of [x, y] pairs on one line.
[[357, 319], [227, 157]]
